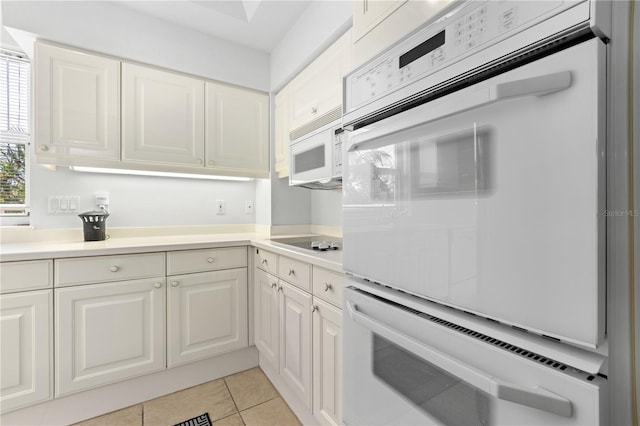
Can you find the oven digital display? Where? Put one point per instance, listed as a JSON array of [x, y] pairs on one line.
[[422, 49]]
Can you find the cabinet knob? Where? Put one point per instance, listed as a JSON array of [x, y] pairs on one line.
[[211, 162], [279, 288], [199, 160], [314, 110], [157, 285], [174, 283], [210, 259], [114, 268], [44, 147], [274, 284], [263, 261], [291, 271], [327, 286], [314, 308]]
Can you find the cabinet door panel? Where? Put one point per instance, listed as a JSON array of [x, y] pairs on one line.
[[108, 332], [295, 340], [237, 128], [207, 315], [267, 319], [77, 104], [163, 117], [282, 127], [26, 348], [327, 363]]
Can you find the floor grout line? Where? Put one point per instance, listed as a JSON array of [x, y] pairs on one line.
[[232, 399]]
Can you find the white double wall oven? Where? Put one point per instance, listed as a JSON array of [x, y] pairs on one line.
[[474, 193]]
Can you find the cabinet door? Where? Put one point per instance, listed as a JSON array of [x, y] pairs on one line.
[[77, 104], [327, 363], [316, 93], [108, 332], [26, 348], [295, 340], [237, 129], [162, 117], [267, 317], [206, 315], [282, 129], [369, 13]]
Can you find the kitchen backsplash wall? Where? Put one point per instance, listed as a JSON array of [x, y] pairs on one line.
[[326, 207], [137, 201]]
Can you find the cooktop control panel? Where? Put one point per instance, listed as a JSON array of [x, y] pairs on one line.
[[459, 32]]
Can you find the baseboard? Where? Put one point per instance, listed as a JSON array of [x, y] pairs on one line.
[[303, 413], [105, 399]]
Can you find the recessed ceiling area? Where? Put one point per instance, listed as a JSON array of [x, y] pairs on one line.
[[258, 24]]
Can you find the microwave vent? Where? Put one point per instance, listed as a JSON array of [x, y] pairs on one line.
[[323, 120]]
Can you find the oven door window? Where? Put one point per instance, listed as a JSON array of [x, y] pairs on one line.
[[429, 388]]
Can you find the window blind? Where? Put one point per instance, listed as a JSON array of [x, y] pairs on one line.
[[15, 133]]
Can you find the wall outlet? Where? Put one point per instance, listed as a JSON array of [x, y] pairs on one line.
[[248, 207], [219, 206]]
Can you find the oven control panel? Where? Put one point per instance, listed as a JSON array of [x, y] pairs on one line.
[[461, 31]]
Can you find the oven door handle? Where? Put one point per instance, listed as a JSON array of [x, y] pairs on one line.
[[464, 100], [536, 397]]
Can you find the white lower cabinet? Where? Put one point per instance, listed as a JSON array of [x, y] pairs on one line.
[[327, 362], [26, 348], [108, 332], [267, 315], [299, 334], [295, 340], [206, 314]]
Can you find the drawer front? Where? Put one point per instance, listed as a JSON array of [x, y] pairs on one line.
[[187, 261], [28, 275], [266, 261], [295, 272], [85, 270], [328, 285]]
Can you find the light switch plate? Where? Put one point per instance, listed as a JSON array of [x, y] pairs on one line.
[[220, 206], [63, 204]]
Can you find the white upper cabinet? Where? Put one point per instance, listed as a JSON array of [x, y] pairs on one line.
[[77, 104], [237, 129], [377, 24], [282, 128], [316, 93], [162, 116]]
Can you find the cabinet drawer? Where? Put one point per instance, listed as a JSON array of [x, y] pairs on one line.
[[328, 285], [29, 275], [85, 270], [295, 272], [187, 261], [267, 261]]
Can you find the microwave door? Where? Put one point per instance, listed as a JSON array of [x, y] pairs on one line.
[[310, 159], [490, 199]]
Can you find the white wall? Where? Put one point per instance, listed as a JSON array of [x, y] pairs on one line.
[[105, 27], [326, 207], [141, 200]]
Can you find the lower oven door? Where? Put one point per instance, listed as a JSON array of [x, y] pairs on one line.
[[404, 367]]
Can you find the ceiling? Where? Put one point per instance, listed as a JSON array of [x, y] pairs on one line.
[[259, 24]]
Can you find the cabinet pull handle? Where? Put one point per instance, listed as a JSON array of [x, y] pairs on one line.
[[314, 308], [44, 148], [327, 286], [291, 271], [210, 259], [157, 285], [114, 268], [174, 283]]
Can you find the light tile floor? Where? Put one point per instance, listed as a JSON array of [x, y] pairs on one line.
[[245, 398]]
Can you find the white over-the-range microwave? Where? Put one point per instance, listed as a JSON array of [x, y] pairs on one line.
[[315, 159]]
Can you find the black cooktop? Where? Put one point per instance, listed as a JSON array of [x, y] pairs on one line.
[[312, 242]]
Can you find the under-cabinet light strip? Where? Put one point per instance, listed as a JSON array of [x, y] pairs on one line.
[[159, 174]]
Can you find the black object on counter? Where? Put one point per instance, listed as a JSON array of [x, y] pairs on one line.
[[94, 223]]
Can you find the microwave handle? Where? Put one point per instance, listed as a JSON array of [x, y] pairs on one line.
[[537, 397], [462, 101]]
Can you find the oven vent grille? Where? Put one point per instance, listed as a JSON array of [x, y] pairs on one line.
[[483, 337]]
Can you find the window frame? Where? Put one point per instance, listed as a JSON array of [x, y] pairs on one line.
[[22, 218]]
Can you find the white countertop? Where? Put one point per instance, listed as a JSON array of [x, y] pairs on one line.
[[61, 249]]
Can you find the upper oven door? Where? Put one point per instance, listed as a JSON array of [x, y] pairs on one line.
[[491, 199]]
